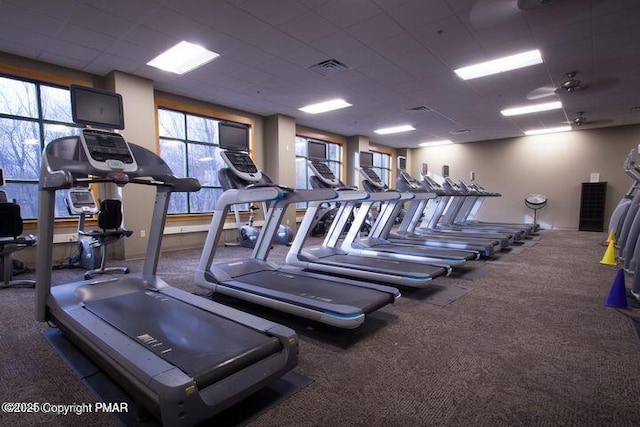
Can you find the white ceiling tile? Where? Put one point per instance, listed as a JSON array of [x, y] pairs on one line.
[[303, 56], [556, 15], [127, 9], [421, 63], [101, 21], [85, 37], [460, 5], [222, 16], [155, 41], [617, 21], [59, 9], [132, 52], [573, 32], [335, 44], [360, 57], [114, 62], [396, 46], [174, 24], [417, 13], [14, 35], [378, 27], [249, 55], [286, 10], [499, 34], [20, 17], [62, 60], [308, 27], [71, 50], [601, 8], [345, 14]]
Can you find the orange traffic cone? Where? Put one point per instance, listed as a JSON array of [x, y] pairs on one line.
[[609, 257]]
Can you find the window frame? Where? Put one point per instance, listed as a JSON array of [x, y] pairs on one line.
[[27, 71], [325, 138], [391, 170], [196, 108]]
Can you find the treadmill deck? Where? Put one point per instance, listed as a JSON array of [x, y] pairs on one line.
[[202, 344]]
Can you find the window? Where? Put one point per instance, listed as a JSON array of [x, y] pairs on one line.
[[333, 154], [382, 166], [333, 158], [32, 114], [189, 145]]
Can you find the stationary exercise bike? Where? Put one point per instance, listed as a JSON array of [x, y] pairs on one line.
[[92, 245], [11, 241]]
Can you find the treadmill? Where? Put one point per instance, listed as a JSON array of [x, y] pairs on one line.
[[468, 209], [407, 231], [373, 245], [449, 220], [334, 301], [331, 259], [179, 356]]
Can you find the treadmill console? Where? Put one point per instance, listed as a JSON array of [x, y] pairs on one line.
[[80, 201], [324, 173], [242, 165], [107, 151], [371, 176], [431, 183], [409, 180]]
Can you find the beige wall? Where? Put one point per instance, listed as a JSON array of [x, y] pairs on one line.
[[554, 165]]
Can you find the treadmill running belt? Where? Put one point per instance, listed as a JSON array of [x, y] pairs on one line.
[[335, 296], [203, 345], [383, 265]]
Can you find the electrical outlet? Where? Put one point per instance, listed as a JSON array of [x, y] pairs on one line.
[[143, 233]]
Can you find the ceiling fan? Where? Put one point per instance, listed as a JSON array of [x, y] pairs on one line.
[[580, 120], [485, 13], [572, 85]]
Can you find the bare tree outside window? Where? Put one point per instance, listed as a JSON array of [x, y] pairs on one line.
[[190, 146], [31, 115], [334, 153]]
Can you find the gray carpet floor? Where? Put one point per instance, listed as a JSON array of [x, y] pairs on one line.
[[530, 343]]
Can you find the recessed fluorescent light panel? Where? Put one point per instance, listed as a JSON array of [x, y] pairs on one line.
[[435, 143], [531, 109], [394, 129], [500, 65], [548, 130], [323, 107], [183, 58]]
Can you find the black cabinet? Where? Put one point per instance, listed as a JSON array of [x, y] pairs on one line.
[[592, 203]]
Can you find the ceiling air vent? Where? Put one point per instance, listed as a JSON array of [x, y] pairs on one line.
[[459, 131], [330, 66], [420, 109]]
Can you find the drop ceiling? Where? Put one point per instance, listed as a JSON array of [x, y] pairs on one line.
[[400, 55]]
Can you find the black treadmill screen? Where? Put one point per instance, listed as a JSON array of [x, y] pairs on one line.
[[316, 150], [96, 107], [233, 136], [366, 159]]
